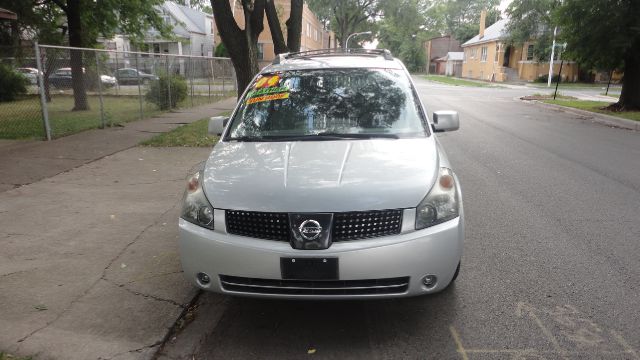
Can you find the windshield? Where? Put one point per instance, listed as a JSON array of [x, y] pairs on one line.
[[327, 104]]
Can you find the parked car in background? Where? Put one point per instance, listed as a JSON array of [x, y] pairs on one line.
[[328, 182], [132, 76], [29, 73], [61, 79]]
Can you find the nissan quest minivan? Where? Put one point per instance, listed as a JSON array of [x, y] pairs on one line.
[[327, 183]]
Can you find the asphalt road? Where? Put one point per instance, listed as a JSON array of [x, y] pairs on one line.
[[551, 267]]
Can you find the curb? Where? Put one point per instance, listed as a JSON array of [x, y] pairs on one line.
[[597, 117]]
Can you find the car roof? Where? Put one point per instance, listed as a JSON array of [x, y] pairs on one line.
[[334, 58]]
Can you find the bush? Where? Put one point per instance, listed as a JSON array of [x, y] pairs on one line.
[[544, 78], [158, 91], [12, 84], [221, 51]]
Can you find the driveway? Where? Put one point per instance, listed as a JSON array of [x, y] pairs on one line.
[[550, 269]]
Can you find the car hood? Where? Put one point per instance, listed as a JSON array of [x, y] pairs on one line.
[[320, 176]]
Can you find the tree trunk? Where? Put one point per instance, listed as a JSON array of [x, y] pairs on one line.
[[74, 22], [242, 45], [279, 45], [294, 26], [630, 96]]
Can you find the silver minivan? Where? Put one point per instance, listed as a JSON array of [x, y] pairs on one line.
[[327, 182]]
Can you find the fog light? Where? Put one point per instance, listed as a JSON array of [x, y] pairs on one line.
[[429, 280], [203, 278]]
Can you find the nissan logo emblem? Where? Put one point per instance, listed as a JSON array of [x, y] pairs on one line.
[[310, 229]]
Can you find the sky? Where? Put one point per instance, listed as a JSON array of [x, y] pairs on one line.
[[504, 4]]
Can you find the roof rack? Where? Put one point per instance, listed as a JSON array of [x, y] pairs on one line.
[[332, 52]]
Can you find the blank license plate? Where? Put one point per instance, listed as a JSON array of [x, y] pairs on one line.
[[309, 268]]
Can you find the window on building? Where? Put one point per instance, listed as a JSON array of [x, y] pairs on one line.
[[483, 54], [260, 54], [308, 29], [464, 56], [156, 48], [495, 59], [530, 52]]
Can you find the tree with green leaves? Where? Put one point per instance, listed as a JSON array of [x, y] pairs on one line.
[[532, 20], [346, 17], [242, 44], [401, 30], [461, 18], [86, 20], [605, 34]]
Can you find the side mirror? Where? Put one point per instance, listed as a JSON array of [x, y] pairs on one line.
[[445, 120], [217, 124]]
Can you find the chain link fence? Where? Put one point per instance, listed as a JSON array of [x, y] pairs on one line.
[[73, 89]]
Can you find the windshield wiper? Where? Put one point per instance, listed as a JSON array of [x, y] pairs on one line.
[[327, 136], [249, 139], [357, 135]]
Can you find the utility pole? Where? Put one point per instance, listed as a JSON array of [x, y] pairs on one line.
[[553, 53]]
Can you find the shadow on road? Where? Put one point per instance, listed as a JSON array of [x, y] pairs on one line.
[[397, 328]]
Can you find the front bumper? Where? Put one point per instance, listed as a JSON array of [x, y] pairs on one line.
[[414, 254]]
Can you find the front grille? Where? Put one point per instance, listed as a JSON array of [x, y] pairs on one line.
[[261, 225], [366, 224], [397, 285], [346, 226]]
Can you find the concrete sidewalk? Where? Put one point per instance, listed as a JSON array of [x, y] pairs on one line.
[[25, 162], [89, 265]]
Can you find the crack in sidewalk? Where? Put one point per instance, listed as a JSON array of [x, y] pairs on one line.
[[102, 277], [138, 293]]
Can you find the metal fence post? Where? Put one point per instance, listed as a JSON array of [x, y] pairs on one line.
[[168, 81], [43, 100], [209, 76], [102, 120], [116, 72], [224, 75], [139, 89], [191, 78]]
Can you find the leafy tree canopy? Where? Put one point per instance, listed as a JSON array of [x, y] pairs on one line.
[[461, 18], [605, 34], [346, 17], [402, 30], [532, 20]]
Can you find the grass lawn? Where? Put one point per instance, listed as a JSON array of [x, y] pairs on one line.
[[23, 119], [191, 135], [456, 81], [4, 356], [595, 106], [574, 85]]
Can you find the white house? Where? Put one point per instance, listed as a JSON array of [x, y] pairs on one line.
[[193, 32]]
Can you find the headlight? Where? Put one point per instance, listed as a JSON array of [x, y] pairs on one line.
[[441, 204], [196, 208]]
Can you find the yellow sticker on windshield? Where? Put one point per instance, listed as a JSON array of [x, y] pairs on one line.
[[278, 96]]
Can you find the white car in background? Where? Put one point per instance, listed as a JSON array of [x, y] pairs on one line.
[[29, 73], [327, 183]]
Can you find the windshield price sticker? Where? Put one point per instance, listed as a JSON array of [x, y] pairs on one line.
[[278, 96], [266, 89]]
